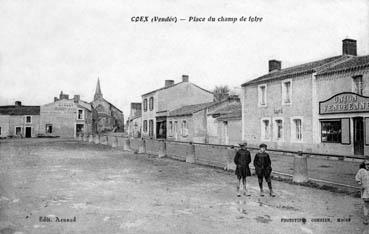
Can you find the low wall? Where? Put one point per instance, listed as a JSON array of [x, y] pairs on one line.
[[211, 155], [135, 143], [178, 150], [152, 146]]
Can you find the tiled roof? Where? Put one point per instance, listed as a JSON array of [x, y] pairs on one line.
[[170, 86], [233, 115], [352, 63], [190, 109], [19, 110], [231, 108], [305, 68]]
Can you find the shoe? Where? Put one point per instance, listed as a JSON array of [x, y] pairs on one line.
[[261, 193], [246, 193], [272, 194], [366, 221]]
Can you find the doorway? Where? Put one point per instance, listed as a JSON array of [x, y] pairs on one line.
[[28, 132], [358, 136], [79, 129]]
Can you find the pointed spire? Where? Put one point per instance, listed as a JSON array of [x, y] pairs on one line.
[[98, 93]]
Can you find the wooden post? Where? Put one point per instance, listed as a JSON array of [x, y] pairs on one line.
[[163, 149], [300, 173]]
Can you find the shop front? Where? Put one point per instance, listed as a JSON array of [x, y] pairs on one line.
[[344, 121]]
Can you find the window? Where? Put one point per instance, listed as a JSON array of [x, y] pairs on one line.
[[331, 131], [175, 127], [262, 91], [80, 114], [296, 129], [49, 128], [286, 92], [145, 105], [170, 128], [151, 127], [145, 126], [18, 131], [184, 128], [278, 129], [151, 103], [28, 119], [358, 84], [265, 129]]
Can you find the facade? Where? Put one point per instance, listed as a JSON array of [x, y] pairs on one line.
[[282, 108], [66, 117], [213, 122], [19, 121], [157, 104], [105, 116], [135, 120]]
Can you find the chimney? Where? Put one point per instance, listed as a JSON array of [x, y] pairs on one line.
[[18, 103], [349, 47], [76, 98], [55, 99], [184, 78], [274, 65], [169, 83]]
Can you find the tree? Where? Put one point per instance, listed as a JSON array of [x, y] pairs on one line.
[[221, 92]]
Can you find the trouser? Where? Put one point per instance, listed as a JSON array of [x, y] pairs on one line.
[[267, 179], [366, 207]]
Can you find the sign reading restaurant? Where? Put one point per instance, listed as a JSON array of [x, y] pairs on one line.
[[344, 103]]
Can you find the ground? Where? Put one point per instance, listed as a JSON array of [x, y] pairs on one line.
[[111, 191]]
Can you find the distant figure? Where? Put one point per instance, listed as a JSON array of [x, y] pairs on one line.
[[263, 168], [242, 160], [362, 177]]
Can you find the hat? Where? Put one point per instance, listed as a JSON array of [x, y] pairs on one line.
[[243, 143], [263, 146]]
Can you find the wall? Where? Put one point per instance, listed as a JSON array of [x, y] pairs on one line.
[[106, 117], [149, 114], [177, 135], [4, 124], [134, 127]]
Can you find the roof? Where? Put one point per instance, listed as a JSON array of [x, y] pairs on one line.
[[305, 68], [229, 109], [171, 86], [352, 63], [19, 110], [233, 115], [190, 109]]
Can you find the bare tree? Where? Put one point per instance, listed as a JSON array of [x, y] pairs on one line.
[[221, 92]]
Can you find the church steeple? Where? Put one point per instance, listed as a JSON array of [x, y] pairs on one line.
[[98, 93]]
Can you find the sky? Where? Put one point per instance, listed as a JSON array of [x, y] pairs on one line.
[[49, 46]]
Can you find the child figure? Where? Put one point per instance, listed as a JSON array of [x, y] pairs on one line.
[[263, 168], [242, 161], [362, 177]]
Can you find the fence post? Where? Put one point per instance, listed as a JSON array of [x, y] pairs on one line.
[[142, 147], [126, 144], [190, 157], [162, 149], [114, 143], [91, 138], [300, 168], [97, 139]]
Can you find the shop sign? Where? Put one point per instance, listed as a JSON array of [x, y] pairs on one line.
[[344, 103]]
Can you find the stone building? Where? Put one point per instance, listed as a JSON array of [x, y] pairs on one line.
[[296, 108], [158, 103], [19, 120], [105, 117], [212, 122], [66, 117], [135, 120]]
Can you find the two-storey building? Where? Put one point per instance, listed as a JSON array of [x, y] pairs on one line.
[[281, 108], [158, 103]]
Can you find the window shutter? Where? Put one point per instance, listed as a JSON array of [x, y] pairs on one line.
[[345, 134], [366, 131]]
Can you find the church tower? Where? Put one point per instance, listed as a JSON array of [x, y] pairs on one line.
[[98, 93]]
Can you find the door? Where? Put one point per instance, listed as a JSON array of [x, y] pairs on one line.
[[358, 136], [79, 129], [28, 132]]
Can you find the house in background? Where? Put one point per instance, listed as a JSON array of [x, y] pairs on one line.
[[317, 106], [19, 121], [134, 120], [157, 104], [105, 116], [66, 117], [213, 122]]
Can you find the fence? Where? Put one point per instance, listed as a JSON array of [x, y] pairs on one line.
[[300, 166]]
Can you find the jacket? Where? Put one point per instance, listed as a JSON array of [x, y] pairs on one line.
[[262, 164]]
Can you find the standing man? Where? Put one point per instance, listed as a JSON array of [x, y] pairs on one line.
[[263, 168], [242, 161]]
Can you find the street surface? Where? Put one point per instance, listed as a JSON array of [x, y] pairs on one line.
[[103, 190]]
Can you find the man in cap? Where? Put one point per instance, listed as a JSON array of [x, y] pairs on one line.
[[263, 168], [242, 160]]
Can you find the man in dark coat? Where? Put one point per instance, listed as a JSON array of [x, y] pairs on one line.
[[263, 168], [242, 160]]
